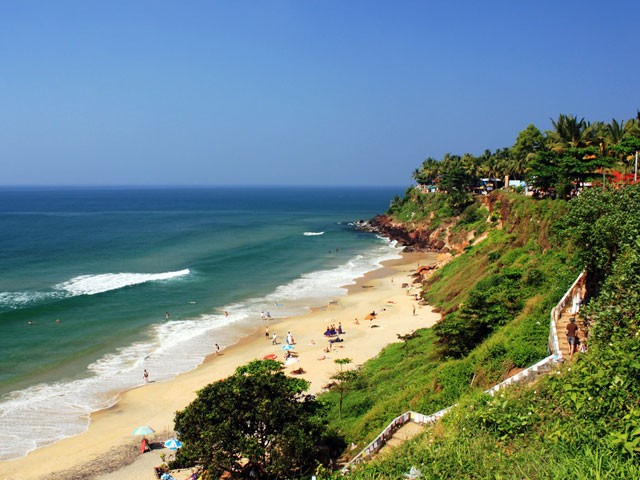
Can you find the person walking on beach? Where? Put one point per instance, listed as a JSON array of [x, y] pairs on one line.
[[217, 349], [145, 375], [266, 332], [274, 339]]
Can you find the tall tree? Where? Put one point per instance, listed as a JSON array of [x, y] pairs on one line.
[[343, 377], [428, 172], [569, 132]]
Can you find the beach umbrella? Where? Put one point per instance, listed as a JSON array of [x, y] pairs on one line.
[[173, 444], [288, 347], [144, 430]]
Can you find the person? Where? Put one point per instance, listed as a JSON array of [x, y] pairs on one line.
[[166, 315], [414, 310], [262, 314], [145, 446], [572, 336], [357, 322], [274, 339], [217, 349], [339, 330], [266, 332], [226, 314], [583, 347], [146, 376]]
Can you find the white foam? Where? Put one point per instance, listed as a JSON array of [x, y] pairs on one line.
[[93, 284], [42, 414], [15, 300], [312, 234]]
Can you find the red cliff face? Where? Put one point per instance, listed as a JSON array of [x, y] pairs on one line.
[[416, 239]]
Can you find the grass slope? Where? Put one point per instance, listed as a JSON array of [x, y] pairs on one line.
[[514, 276]]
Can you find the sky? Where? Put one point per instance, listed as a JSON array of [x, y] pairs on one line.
[[295, 92]]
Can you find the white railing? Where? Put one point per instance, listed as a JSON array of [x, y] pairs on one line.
[[525, 375]]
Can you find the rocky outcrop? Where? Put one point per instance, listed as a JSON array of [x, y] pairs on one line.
[[416, 239]]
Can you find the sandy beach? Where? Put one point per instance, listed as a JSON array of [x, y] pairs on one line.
[[108, 450]]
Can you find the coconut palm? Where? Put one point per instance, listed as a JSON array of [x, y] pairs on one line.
[[569, 132], [428, 172]]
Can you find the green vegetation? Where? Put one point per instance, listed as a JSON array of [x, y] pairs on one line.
[[257, 423], [556, 162], [519, 256], [582, 421], [510, 278]]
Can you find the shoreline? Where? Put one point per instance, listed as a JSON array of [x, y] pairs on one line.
[[108, 444]]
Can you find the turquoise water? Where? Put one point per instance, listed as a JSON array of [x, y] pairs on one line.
[[89, 276]]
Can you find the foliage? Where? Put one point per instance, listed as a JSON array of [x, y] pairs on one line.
[[258, 414], [342, 378], [490, 285], [616, 311], [602, 223], [457, 182], [490, 304], [583, 421], [558, 161]]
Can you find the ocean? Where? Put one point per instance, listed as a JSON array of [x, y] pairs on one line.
[[98, 284]]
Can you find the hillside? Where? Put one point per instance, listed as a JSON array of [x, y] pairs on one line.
[[514, 261]]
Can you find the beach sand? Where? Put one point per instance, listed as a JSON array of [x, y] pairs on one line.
[[108, 450]]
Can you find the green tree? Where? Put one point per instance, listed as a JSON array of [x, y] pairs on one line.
[[456, 180], [602, 223], [258, 414], [569, 132], [427, 174], [616, 310], [529, 142], [343, 377]]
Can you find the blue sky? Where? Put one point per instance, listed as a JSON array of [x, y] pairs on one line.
[[152, 92]]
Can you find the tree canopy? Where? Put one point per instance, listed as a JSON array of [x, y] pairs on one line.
[[258, 423], [562, 159]]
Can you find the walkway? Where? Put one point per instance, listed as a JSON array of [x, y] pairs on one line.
[[571, 305]]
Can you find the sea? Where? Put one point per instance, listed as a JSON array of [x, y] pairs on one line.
[[98, 284]]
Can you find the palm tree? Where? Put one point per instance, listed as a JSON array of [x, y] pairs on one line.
[[569, 132], [615, 133], [428, 172]]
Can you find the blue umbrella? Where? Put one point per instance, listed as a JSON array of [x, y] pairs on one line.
[[173, 444], [145, 430], [288, 347]]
